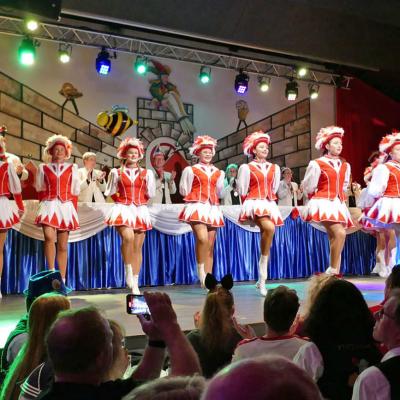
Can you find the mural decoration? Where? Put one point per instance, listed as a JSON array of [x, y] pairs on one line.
[[70, 93], [117, 121], [165, 94], [243, 110]]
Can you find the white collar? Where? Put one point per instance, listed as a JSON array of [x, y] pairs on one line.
[[391, 353]]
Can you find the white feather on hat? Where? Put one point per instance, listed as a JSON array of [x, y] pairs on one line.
[[57, 139], [252, 141], [128, 143], [203, 142], [326, 134], [388, 141]]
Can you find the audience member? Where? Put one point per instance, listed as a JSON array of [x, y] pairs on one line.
[[381, 382], [340, 327], [41, 283], [216, 338], [315, 284], [288, 191], [43, 376], [42, 314], [230, 194], [176, 388], [280, 309], [262, 378], [80, 350]]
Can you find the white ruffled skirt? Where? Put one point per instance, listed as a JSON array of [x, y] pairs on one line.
[[325, 210], [385, 211], [135, 217], [205, 213], [252, 209], [8, 213], [59, 215]]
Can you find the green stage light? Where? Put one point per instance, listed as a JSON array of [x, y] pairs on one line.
[[140, 65], [205, 74], [27, 52]]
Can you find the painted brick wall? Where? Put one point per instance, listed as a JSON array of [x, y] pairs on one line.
[[31, 118], [290, 131]]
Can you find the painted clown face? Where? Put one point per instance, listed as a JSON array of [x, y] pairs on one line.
[[58, 153], [395, 153], [261, 151], [335, 147], [205, 156]]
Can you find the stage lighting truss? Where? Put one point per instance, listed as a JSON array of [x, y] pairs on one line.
[[56, 32]]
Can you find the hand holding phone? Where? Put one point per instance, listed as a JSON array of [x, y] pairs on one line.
[[136, 305]]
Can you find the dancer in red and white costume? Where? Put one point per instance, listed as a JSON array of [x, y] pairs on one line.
[[385, 238], [258, 182], [58, 185], [202, 185], [10, 213], [131, 187], [325, 182], [385, 186]]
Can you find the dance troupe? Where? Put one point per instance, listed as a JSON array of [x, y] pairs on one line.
[[131, 186]]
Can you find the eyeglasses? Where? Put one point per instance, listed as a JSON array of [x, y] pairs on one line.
[[379, 315]]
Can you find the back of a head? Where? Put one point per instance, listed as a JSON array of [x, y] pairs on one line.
[[174, 388], [280, 308], [216, 319], [393, 280], [76, 341], [262, 378], [339, 315]]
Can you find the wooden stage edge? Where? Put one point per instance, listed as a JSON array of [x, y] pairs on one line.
[[186, 301]]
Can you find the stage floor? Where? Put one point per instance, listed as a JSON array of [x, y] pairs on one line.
[[186, 301]]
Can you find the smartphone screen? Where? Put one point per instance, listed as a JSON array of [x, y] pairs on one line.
[[136, 304]]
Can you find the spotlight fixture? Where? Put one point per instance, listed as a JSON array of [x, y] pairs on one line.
[[64, 52], [302, 72], [241, 82], [205, 74], [31, 25], [313, 90], [27, 51], [103, 62], [264, 82], [140, 65], [292, 90]]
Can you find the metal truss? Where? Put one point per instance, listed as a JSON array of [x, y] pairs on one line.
[[91, 38]]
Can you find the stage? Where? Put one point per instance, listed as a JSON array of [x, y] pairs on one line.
[[186, 299]]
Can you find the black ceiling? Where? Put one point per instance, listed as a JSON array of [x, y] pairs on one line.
[[359, 37]]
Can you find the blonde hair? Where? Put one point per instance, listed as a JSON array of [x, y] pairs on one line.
[[315, 284], [42, 314], [216, 320]]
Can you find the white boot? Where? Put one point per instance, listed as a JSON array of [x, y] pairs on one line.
[[201, 274], [380, 257], [128, 276], [332, 271], [135, 284], [262, 275], [0, 289]]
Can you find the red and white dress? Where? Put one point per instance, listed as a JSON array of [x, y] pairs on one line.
[[202, 186], [9, 184], [385, 185], [326, 182], [58, 187], [258, 184], [131, 189]]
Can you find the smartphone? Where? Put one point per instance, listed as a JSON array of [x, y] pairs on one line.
[[136, 304]]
